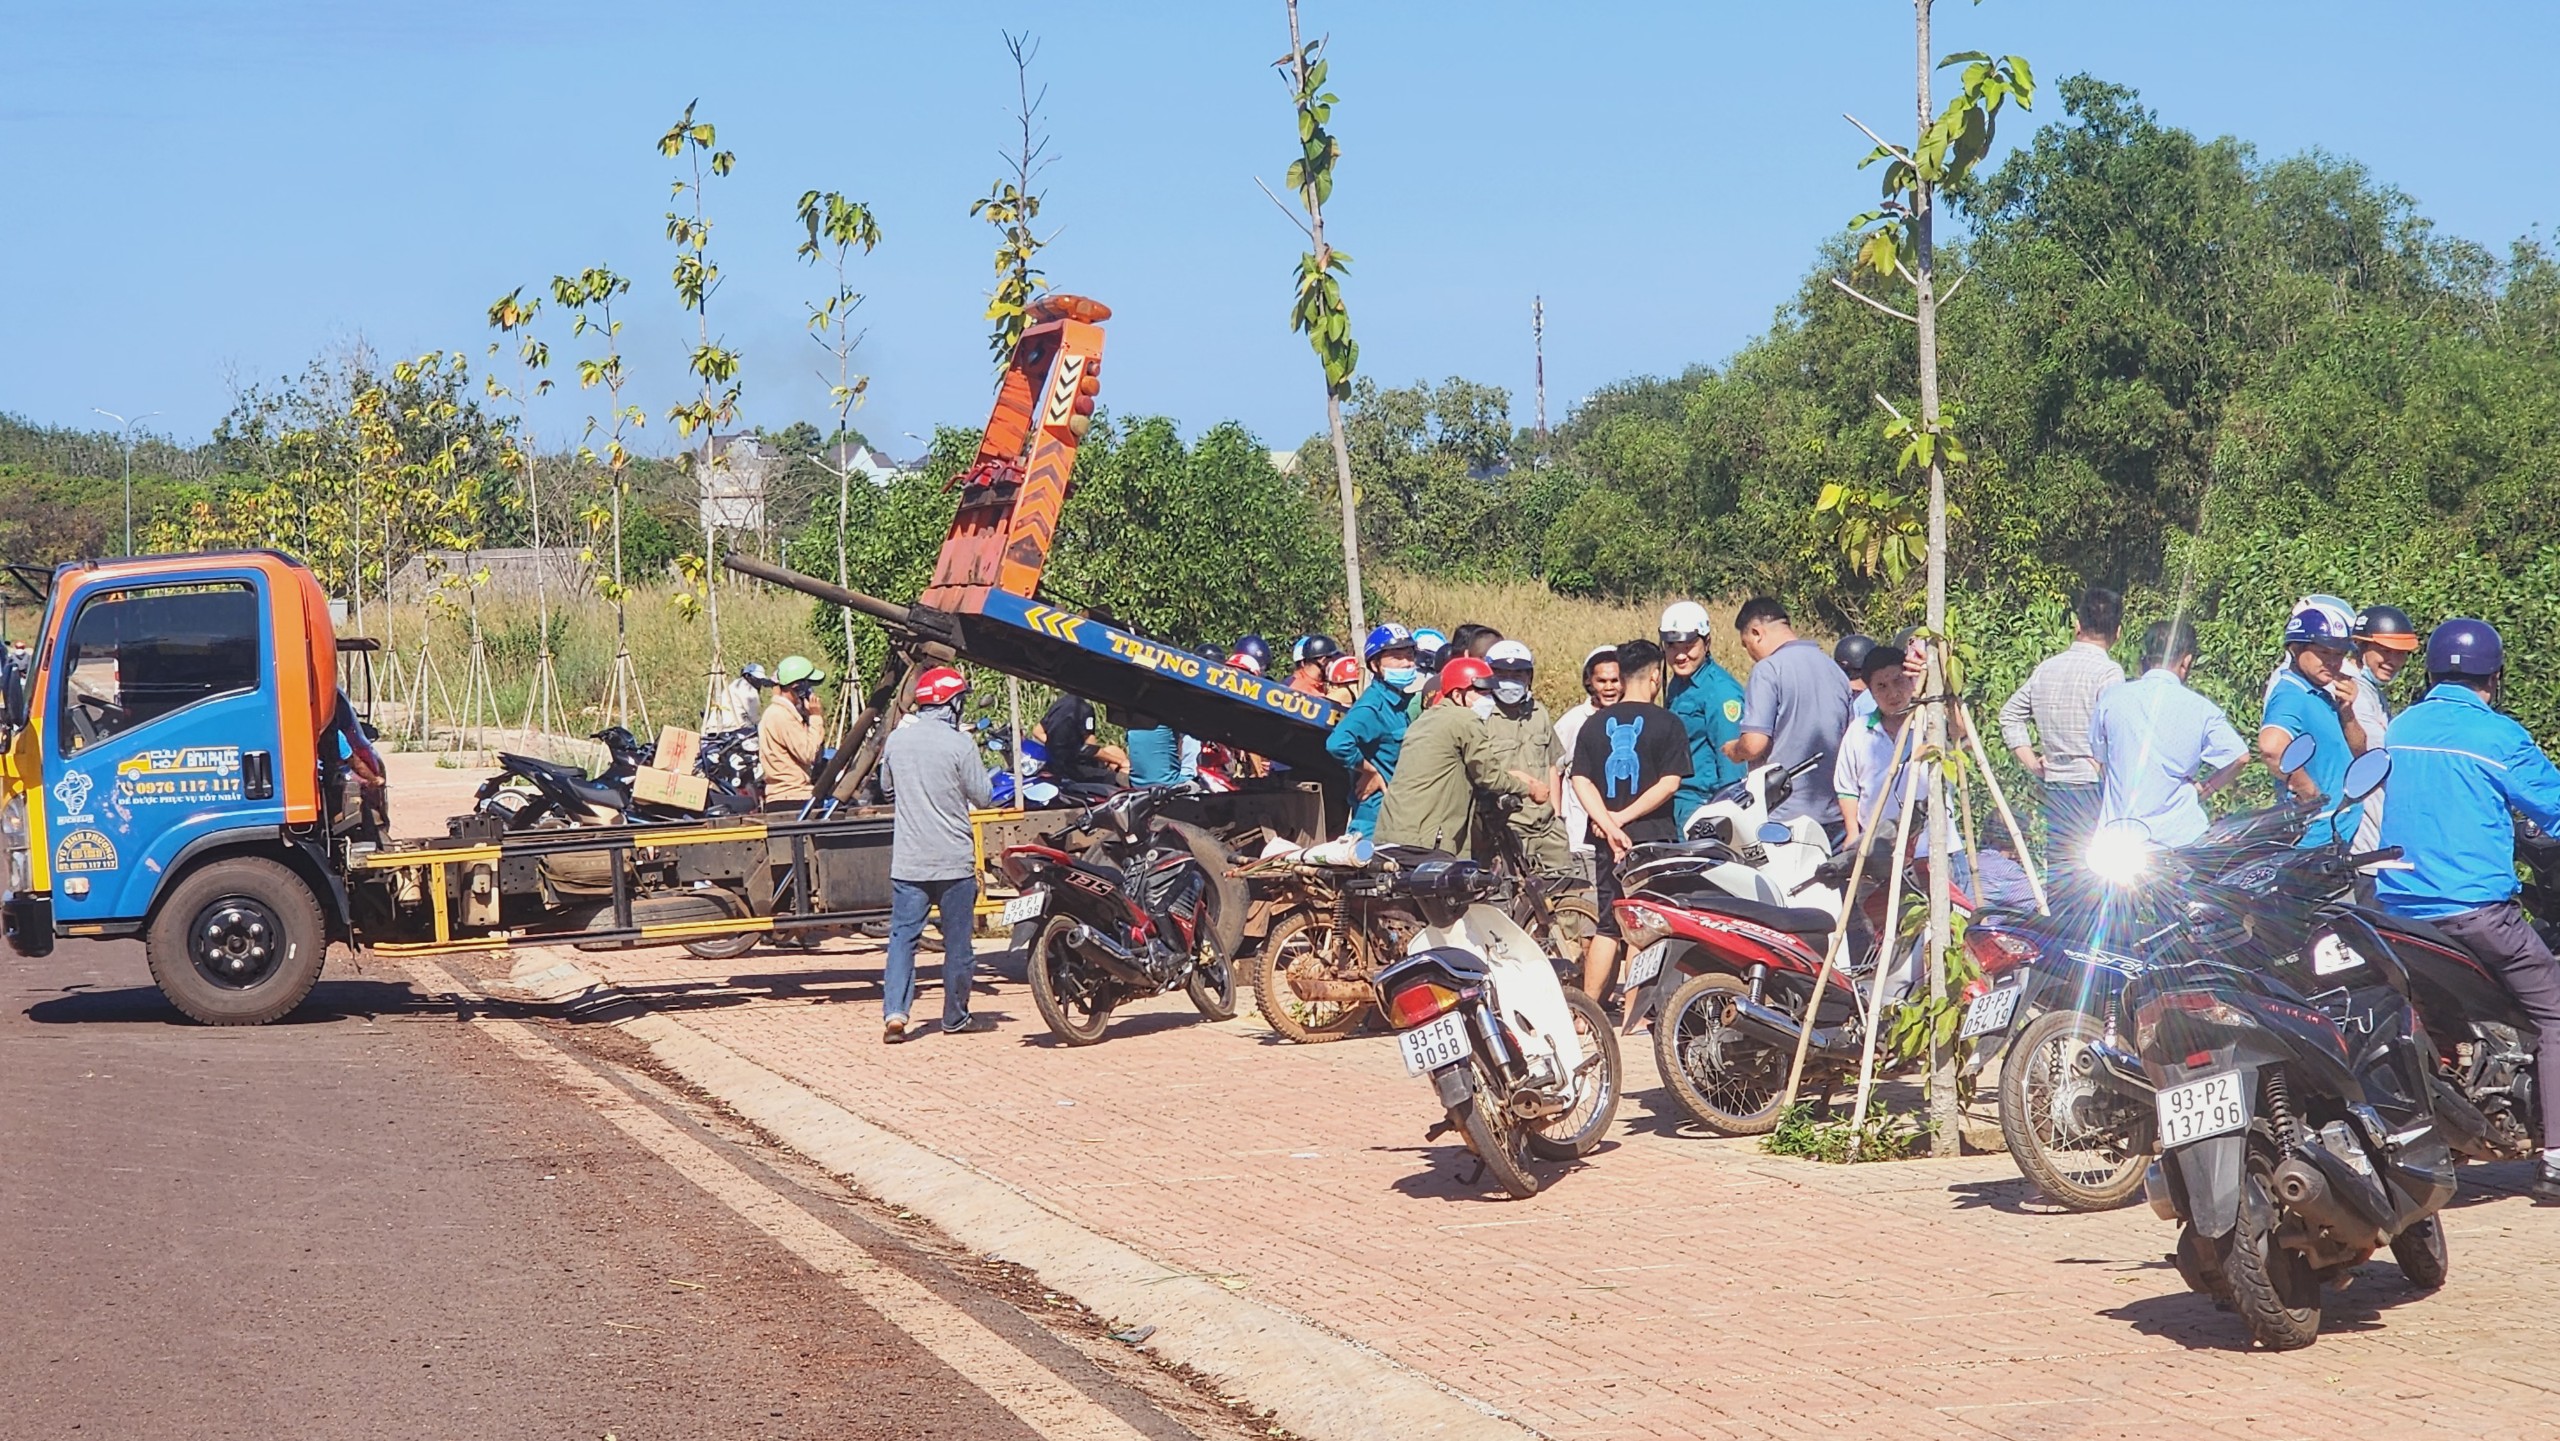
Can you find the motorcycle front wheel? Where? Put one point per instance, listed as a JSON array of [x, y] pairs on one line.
[[1726, 1079], [1500, 1142], [1301, 941], [1212, 987], [1075, 1001], [2081, 1148], [1577, 1132]]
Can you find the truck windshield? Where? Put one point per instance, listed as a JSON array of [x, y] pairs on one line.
[[133, 656]]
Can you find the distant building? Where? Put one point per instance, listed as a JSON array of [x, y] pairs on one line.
[[740, 469], [863, 461]]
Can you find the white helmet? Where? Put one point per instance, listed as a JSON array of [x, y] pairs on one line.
[[1683, 620]]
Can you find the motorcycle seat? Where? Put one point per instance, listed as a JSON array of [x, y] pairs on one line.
[[1806, 921]]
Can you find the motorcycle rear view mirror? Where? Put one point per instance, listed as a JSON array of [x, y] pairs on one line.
[[2365, 774], [1774, 834], [2297, 755]]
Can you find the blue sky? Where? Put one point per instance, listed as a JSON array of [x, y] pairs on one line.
[[214, 193]]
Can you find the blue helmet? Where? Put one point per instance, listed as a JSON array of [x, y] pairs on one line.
[[1257, 647], [2322, 621], [2467, 648], [1386, 635]]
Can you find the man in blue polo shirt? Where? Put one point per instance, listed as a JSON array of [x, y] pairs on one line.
[[1708, 701], [2315, 695], [1370, 735], [2474, 767]]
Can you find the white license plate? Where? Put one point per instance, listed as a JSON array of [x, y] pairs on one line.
[[1029, 906], [2197, 1109], [1990, 1011], [1646, 964], [1433, 1045]]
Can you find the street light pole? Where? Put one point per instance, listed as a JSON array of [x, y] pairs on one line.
[[127, 428]]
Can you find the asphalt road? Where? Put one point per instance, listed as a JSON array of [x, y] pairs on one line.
[[375, 1221]]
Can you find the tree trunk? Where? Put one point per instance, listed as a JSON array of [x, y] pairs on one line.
[[1332, 402], [1943, 1140]]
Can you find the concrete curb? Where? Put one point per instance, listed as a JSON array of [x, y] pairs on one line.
[[1319, 1384]]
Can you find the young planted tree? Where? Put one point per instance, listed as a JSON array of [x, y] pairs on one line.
[[589, 297], [1901, 246], [1011, 205], [511, 315], [837, 226], [1318, 311], [713, 364]]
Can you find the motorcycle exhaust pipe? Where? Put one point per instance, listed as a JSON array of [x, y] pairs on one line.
[[1781, 1029], [1107, 953], [2304, 1188], [1325, 989]]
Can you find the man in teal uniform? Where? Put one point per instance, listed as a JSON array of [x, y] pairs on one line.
[[2314, 695], [1370, 735], [1708, 701]]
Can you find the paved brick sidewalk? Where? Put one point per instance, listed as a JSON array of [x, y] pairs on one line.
[[1672, 1286]]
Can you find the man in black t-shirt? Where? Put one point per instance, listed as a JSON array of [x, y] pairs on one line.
[[1628, 762]]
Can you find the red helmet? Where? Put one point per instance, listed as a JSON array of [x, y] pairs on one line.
[[1244, 660], [1342, 670], [1464, 673], [940, 685]]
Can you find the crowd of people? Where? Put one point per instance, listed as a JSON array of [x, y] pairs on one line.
[[1449, 749]]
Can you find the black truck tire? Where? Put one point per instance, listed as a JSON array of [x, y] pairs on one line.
[[238, 942]]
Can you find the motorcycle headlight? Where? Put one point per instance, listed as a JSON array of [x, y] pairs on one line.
[[2119, 856]]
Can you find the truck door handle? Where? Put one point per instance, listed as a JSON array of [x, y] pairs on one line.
[[258, 775]]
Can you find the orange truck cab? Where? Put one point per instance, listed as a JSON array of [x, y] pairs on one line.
[[176, 770]]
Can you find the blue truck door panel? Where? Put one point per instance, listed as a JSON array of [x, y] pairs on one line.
[[164, 728]]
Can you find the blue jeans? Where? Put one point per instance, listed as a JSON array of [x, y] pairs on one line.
[[2070, 814], [957, 900]]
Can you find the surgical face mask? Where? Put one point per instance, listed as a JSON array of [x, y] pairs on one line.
[[1400, 677], [1480, 703], [1510, 692]]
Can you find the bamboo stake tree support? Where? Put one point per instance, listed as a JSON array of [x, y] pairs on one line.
[[695, 277], [589, 296], [1831, 954], [836, 226], [1900, 244]]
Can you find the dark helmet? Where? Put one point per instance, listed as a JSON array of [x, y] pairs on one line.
[[1257, 647], [1852, 653], [2386, 625], [1317, 648], [2470, 649]]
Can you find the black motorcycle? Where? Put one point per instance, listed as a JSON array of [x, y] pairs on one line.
[[1127, 905], [2075, 1105], [2297, 1096], [529, 793]]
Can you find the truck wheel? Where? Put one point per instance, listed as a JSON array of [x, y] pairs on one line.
[[237, 943]]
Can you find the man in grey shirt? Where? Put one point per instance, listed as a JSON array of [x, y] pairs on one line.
[[1795, 706], [935, 779], [2054, 707]]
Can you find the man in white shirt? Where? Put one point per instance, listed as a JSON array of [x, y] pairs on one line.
[[1602, 686], [1869, 796], [2161, 748]]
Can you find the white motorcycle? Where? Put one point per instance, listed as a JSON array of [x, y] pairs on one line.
[[1525, 1067]]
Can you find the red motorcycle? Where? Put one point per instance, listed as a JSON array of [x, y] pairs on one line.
[[1730, 979], [1139, 906]]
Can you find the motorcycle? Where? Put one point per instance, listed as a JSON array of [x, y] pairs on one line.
[[1524, 1067], [2075, 1106], [1730, 977], [1315, 972], [2298, 1091], [528, 793], [1731, 844], [1135, 913]]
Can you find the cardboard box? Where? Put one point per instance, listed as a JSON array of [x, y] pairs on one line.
[[662, 787], [678, 749]]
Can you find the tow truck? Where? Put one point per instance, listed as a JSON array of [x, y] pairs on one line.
[[178, 761]]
